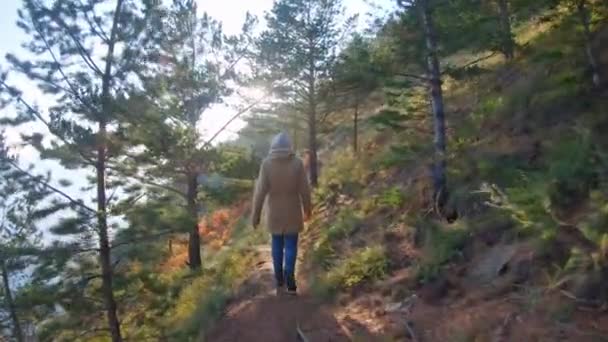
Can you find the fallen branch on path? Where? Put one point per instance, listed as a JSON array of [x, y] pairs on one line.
[[300, 334], [410, 331]]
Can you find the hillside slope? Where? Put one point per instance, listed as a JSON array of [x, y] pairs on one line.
[[526, 257]]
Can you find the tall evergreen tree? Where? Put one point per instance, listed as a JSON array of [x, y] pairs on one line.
[[15, 233], [197, 63], [85, 55], [424, 10], [506, 33], [19, 244], [297, 50], [357, 76], [583, 10], [20, 239]]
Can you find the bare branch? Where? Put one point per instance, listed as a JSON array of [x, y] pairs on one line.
[[111, 197], [418, 77], [145, 237], [235, 62], [161, 186], [146, 181], [234, 117], [411, 332], [95, 27], [480, 59], [81, 49]]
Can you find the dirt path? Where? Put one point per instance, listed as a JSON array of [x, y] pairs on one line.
[[257, 314]]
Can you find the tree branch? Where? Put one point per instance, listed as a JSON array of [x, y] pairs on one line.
[[94, 26], [145, 237], [480, 59], [418, 77], [81, 49], [73, 89], [234, 117], [234, 63], [54, 189], [36, 114], [161, 186], [111, 197]]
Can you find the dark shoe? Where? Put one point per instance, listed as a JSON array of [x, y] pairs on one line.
[[292, 292]]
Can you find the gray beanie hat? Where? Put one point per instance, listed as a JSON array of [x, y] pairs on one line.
[[281, 143]]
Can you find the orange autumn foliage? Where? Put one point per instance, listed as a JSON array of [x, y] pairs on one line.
[[215, 230], [178, 257]]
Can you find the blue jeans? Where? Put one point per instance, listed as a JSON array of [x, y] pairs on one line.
[[284, 253]]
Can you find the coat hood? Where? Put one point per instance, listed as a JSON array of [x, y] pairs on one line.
[[281, 147]]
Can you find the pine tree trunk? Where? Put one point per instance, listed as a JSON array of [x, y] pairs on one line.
[[194, 239], [508, 45], [312, 125], [356, 128], [312, 145], [439, 167], [8, 297], [583, 13], [102, 219], [104, 244]]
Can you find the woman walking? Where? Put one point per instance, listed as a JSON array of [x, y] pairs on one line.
[[282, 183]]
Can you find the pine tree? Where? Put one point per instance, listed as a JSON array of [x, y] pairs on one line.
[[506, 33], [266, 120], [197, 63], [357, 76], [13, 235], [424, 9], [85, 55], [19, 243], [297, 51], [20, 239], [583, 9]]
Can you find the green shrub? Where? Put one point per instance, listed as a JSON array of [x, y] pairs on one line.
[[487, 108], [400, 154], [527, 204], [201, 302], [323, 253], [345, 171], [369, 204], [572, 170], [199, 311], [346, 223], [228, 193], [441, 246], [366, 264], [392, 198]]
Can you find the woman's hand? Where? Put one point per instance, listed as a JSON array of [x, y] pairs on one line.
[[307, 216]]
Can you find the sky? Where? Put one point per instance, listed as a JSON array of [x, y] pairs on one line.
[[231, 12]]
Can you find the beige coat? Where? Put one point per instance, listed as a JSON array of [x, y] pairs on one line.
[[283, 185]]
